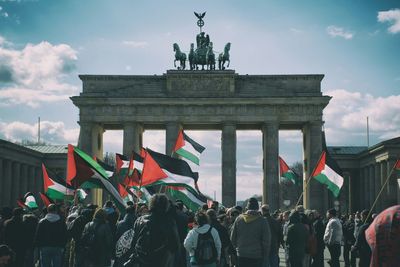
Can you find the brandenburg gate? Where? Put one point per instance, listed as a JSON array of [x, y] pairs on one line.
[[213, 100], [208, 99]]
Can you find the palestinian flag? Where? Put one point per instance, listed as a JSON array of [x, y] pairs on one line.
[[189, 196], [46, 200], [166, 170], [81, 194], [327, 172], [108, 168], [125, 165], [82, 168], [55, 190], [286, 173], [397, 165], [188, 148], [28, 201], [132, 180]]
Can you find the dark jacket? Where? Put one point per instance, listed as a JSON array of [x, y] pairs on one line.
[[251, 236], [125, 225], [164, 229], [297, 237], [51, 232], [14, 235], [348, 232], [76, 228], [103, 240], [319, 229], [276, 234], [361, 245]]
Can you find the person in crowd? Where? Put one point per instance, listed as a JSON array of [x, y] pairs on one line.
[[75, 230], [51, 237], [7, 256], [30, 223], [203, 231], [319, 230], [276, 238], [5, 214], [361, 246], [14, 236], [227, 248], [333, 236], [251, 236], [286, 223], [349, 240], [97, 241], [127, 222], [182, 221], [215, 206], [296, 240], [155, 236]]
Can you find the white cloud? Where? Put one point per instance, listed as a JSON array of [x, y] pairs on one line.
[[346, 115], [135, 44], [335, 31], [36, 73], [53, 132], [296, 31], [393, 17]]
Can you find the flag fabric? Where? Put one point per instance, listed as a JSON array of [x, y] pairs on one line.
[[126, 165], [151, 171], [81, 194], [397, 165], [327, 173], [107, 167], [188, 148], [132, 180], [286, 173], [55, 190], [46, 200], [178, 172], [189, 196], [27, 201], [82, 168]]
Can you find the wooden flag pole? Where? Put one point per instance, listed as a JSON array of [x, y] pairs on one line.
[[380, 192]]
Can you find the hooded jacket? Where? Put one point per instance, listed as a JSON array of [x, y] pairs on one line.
[[51, 232], [190, 242], [251, 236]]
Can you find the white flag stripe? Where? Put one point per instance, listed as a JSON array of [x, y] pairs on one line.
[[333, 176]]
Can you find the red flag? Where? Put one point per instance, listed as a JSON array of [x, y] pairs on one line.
[[180, 141], [151, 170], [122, 191], [71, 166], [397, 165], [133, 180], [46, 200], [46, 179], [21, 203]]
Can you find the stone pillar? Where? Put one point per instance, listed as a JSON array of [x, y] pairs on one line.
[[377, 187], [16, 178], [228, 146], [24, 179], [133, 138], [31, 179], [366, 188], [7, 183], [171, 133], [315, 193], [91, 142], [270, 143], [391, 185], [371, 191], [2, 179], [38, 179]]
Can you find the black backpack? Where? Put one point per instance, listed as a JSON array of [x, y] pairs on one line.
[[89, 241], [205, 252], [151, 242]]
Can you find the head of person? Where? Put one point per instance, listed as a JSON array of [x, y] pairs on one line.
[[265, 209], [294, 217], [159, 204], [239, 209], [100, 215], [331, 213], [6, 255], [201, 218], [252, 204], [108, 204], [286, 215], [129, 203], [311, 216], [351, 216], [365, 217], [130, 210], [179, 205], [300, 209], [204, 208], [232, 213], [143, 210], [52, 208], [212, 215], [215, 205]]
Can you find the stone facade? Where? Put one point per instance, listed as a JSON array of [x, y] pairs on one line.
[[365, 171], [218, 100], [21, 169]]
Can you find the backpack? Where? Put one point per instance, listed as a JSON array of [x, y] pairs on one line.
[[205, 252], [89, 240], [151, 242]]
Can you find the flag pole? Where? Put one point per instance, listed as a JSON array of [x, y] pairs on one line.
[[308, 180], [380, 192]]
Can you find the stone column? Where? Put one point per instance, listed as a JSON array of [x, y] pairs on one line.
[[133, 138], [7, 183], [31, 179], [315, 194], [24, 179], [171, 133], [270, 143], [91, 142], [366, 188], [38, 179], [371, 191], [2, 179], [377, 186], [16, 178], [391, 185], [228, 146]]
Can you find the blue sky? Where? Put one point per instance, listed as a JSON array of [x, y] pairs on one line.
[[44, 45]]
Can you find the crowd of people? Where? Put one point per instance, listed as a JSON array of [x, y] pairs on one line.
[[165, 233]]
